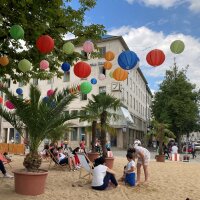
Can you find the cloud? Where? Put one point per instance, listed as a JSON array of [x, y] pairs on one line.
[[194, 5], [142, 40]]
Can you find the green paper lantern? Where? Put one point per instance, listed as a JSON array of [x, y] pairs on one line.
[[17, 32], [85, 87], [177, 46], [111, 74], [24, 65], [68, 48]]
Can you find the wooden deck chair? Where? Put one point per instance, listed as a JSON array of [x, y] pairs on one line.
[[86, 165], [54, 160], [5, 161]]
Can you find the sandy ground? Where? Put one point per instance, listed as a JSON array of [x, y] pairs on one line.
[[168, 181]]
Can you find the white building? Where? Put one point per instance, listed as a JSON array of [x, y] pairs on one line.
[[133, 92]]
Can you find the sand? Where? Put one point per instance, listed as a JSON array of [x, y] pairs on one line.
[[168, 181]]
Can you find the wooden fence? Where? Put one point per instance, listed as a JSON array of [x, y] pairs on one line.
[[12, 148]]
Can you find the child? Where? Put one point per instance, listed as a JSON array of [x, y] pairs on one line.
[[129, 170], [7, 157]]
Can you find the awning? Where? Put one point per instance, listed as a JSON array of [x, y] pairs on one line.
[[127, 115]]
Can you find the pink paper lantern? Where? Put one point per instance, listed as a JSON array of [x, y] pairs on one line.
[[50, 92], [9, 105], [102, 77], [88, 46], [44, 64]]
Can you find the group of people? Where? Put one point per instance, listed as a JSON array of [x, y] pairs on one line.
[[103, 176]]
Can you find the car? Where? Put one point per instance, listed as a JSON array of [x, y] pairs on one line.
[[197, 146], [189, 149]]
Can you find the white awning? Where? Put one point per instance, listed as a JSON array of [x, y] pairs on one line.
[[127, 115]]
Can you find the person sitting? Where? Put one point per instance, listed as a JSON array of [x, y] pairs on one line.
[[129, 170], [44, 153], [3, 170], [102, 175], [77, 161]]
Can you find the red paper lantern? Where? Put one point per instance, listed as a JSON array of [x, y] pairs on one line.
[[82, 69], [1, 100], [155, 57], [50, 92], [45, 44]]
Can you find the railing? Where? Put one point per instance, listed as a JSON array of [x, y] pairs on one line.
[[12, 148]]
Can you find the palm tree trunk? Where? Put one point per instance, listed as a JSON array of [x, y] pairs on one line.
[[103, 133], [94, 128]]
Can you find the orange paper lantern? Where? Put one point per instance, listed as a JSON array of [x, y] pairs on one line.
[[109, 55], [1, 100], [107, 65], [4, 60], [120, 74]]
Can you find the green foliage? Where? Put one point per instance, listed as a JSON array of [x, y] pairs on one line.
[[40, 118], [37, 17], [176, 103]]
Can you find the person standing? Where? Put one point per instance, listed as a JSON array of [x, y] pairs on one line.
[[193, 150]]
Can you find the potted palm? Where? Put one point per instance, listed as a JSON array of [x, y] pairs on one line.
[[162, 134], [39, 117], [104, 105]]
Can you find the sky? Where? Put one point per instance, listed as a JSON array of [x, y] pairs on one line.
[[154, 24]]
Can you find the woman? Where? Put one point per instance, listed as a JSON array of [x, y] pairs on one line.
[[143, 156], [102, 175]]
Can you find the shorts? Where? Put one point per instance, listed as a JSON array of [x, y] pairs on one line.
[[146, 159]]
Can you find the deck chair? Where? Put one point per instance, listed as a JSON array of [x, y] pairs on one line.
[[86, 165], [5, 161], [54, 160]]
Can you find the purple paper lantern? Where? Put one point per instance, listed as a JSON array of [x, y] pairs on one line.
[[50, 92], [9, 105], [44, 64], [88, 46]]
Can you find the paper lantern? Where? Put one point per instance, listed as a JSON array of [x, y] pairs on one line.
[[177, 46], [45, 44], [68, 48], [128, 60], [102, 77], [19, 91], [24, 65], [85, 87], [93, 81], [9, 105], [1, 100], [4, 60], [50, 92], [120, 74], [65, 66], [45, 99], [82, 69], [155, 57], [17, 32], [44, 64], [111, 74], [109, 55], [107, 65], [88, 47]]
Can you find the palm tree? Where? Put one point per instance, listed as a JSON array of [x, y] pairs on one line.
[[101, 107], [38, 117], [162, 134]]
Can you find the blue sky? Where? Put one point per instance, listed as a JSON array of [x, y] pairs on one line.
[[150, 24]]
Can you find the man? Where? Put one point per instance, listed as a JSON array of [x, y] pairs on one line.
[[193, 150], [174, 149]]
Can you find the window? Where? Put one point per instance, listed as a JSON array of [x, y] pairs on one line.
[[35, 81], [131, 83], [50, 81], [102, 70], [20, 96], [102, 51], [131, 101], [83, 97], [8, 83], [84, 54], [74, 134], [66, 77], [21, 84], [127, 97], [133, 87], [74, 112], [134, 103], [102, 89]]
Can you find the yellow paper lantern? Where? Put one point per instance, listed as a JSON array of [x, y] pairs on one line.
[[4, 60], [120, 74], [109, 55], [107, 65]]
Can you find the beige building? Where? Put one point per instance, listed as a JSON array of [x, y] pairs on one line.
[[134, 93]]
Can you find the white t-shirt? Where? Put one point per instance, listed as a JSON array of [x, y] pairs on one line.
[[174, 149], [129, 165], [146, 153], [99, 173], [61, 156]]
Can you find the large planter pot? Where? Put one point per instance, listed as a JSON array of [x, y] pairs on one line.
[[30, 183], [109, 162], [160, 158], [92, 156]]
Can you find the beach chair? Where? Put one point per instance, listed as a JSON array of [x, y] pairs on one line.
[[5, 161], [54, 160], [86, 167]]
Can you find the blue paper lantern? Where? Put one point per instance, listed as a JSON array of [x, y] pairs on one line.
[[19, 91], [93, 81], [45, 99], [128, 60], [65, 66]]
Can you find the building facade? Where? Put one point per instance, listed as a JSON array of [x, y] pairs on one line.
[[134, 94]]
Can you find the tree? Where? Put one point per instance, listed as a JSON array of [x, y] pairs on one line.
[[40, 17], [176, 103], [104, 106], [38, 117]]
